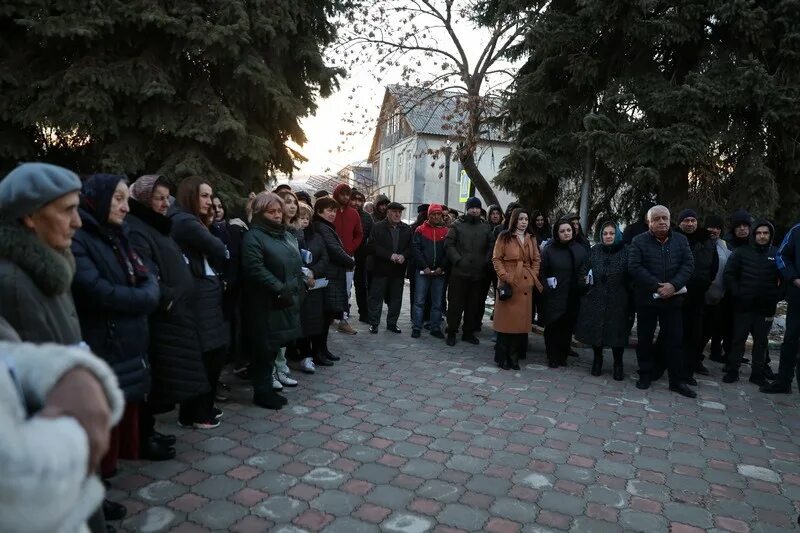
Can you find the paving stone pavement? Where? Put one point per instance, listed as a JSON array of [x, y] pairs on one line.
[[411, 435]]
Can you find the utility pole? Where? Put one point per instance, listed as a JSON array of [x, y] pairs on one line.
[[446, 151]]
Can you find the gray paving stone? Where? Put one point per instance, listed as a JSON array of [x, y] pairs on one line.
[[448, 445], [422, 468], [395, 434], [517, 510], [280, 508], [648, 490], [734, 509], [153, 519], [346, 524], [767, 500], [376, 473], [218, 514], [161, 491], [607, 496], [363, 454], [488, 485], [268, 460], [264, 442], [388, 496], [272, 482], [642, 522], [336, 502], [688, 514], [407, 523], [352, 436], [218, 487], [462, 516], [613, 468], [407, 449], [216, 444], [584, 524], [467, 463], [562, 503], [326, 478], [687, 484], [575, 473], [163, 469], [308, 439], [440, 491], [216, 464]]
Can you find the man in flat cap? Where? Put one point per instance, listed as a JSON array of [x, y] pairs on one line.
[[390, 245]]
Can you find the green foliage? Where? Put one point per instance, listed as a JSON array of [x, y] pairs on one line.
[[178, 87], [691, 103]]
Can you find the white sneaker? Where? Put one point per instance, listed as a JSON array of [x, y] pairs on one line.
[[282, 368], [276, 384], [307, 366], [285, 380]]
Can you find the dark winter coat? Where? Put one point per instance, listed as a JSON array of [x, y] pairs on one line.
[[706, 261], [650, 262], [634, 230], [199, 246], [752, 278], [114, 312], [428, 247], [382, 247], [469, 246], [175, 358], [35, 283], [312, 312], [563, 262], [272, 287], [788, 260], [366, 225], [603, 316], [338, 265]]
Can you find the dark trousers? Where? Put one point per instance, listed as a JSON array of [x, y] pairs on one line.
[[428, 291], [316, 346], [412, 298], [693, 309], [483, 289], [670, 320], [261, 371], [617, 353], [392, 290], [198, 408], [361, 286], [745, 324], [558, 338], [789, 356], [463, 298], [510, 348], [97, 522], [715, 331]]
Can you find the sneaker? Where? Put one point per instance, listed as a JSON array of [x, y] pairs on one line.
[[202, 424], [282, 368], [216, 412], [276, 384], [307, 366], [285, 380], [345, 327]]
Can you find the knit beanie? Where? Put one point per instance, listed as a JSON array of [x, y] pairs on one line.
[[687, 213], [473, 202], [714, 221], [739, 217], [31, 186], [342, 188], [142, 188]]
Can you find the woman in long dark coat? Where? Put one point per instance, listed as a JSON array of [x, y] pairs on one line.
[[175, 356], [338, 265], [206, 255], [114, 294], [603, 317], [561, 262], [273, 288]]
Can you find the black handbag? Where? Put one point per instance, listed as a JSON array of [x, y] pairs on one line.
[[504, 292]]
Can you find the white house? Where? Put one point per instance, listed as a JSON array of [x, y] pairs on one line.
[[406, 155]]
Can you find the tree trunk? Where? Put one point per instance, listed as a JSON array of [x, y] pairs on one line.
[[467, 158], [586, 189]]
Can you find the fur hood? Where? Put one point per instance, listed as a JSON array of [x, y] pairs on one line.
[[50, 270]]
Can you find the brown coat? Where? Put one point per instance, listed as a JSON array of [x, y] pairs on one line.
[[518, 265]]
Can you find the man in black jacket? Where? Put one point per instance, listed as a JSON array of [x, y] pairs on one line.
[[661, 264], [788, 261], [360, 277], [390, 244], [469, 247], [706, 263], [741, 225], [754, 283]]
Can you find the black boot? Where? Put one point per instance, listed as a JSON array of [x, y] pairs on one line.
[[269, 399], [114, 510], [167, 440], [619, 374], [152, 450], [597, 362]]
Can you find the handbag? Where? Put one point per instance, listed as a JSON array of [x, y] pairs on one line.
[[504, 292]]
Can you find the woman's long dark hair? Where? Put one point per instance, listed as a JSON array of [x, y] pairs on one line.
[[508, 234], [188, 194]]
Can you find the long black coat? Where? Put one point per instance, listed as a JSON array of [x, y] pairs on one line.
[[650, 262], [197, 244], [312, 312], [603, 316], [175, 357], [112, 312], [562, 262], [338, 265], [381, 248]]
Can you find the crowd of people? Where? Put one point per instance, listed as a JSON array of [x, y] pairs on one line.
[[167, 288]]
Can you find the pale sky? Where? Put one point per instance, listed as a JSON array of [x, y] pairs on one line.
[[324, 130]]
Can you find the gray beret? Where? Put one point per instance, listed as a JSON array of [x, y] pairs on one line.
[[32, 185]]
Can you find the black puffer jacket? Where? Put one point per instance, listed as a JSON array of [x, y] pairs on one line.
[[112, 311], [177, 366], [563, 262], [752, 278], [199, 246], [338, 265], [312, 312], [706, 261], [650, 262], [469, 246]]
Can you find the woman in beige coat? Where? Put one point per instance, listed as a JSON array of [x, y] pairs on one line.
[[516, 261]]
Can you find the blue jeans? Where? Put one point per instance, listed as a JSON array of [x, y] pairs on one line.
[[436, 285]]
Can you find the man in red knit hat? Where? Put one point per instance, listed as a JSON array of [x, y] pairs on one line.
[[348, 227]]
